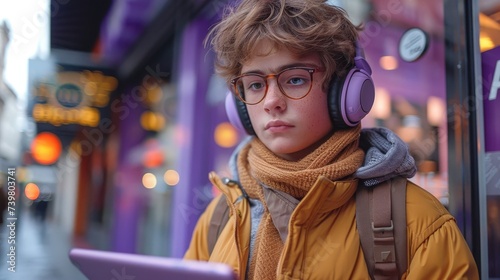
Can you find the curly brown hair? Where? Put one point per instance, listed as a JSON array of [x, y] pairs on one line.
[[302, 26]]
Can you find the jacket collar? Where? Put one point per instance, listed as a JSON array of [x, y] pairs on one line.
[[324, 197], [228, 187]]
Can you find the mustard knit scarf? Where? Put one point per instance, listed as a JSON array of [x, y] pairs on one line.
[[335, 159]]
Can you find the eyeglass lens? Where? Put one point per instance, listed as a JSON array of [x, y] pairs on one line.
[[294, 83]]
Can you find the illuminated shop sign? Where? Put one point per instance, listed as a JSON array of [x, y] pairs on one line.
[[491, 100], [60, 116], [73, 98]]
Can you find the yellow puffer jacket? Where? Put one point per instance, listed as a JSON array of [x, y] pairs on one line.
[[323, 241]]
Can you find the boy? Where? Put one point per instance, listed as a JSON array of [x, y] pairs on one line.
[[292, 195]]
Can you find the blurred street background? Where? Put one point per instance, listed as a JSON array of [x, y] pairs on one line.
[[42, 251], [111, 118]]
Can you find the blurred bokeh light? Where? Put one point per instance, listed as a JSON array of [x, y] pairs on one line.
[[32, 191], [46, 148], [226, 135]]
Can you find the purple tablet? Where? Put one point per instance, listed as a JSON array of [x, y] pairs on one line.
[[106, 265]]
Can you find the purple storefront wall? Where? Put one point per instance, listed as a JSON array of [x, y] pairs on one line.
[[129, 197], [119, 32], [491, 107], [491, 99], [120, 29], [194, 119]]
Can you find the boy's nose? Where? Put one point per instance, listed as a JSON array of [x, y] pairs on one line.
[[274, 99]]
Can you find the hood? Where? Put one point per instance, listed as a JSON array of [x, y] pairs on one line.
[[232, 160], [387, 156]]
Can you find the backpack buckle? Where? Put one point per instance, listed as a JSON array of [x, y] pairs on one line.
[[383, 229]]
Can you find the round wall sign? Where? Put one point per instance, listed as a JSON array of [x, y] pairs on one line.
[[413, 44], [69, 95]]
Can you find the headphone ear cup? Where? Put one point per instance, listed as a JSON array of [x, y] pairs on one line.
[[334, 107], [237, 114], [352, 99]]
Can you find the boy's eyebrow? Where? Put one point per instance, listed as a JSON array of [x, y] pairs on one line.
[[283, 67]]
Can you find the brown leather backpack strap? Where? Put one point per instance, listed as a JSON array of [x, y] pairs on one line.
[[382, 227], [363, 221], [384, 249], [399, 217], [218, 220]]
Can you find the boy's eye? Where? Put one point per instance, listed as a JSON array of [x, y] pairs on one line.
[[296, 81], [256, 86]]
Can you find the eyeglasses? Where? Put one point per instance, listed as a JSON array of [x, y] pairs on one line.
[[295, 83]]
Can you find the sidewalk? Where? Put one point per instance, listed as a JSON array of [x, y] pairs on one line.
[[41, 251]]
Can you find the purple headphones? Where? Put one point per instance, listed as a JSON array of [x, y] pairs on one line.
[[349, 99]]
